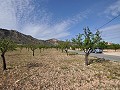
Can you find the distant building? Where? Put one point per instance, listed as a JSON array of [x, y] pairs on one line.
[[109, 43]]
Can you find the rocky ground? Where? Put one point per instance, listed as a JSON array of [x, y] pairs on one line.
[[53, 70]]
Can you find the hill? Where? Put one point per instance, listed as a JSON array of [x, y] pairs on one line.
[[20, 38], [53, 41]]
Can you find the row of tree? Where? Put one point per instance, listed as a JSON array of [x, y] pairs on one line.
[[104, 45], [8, 45], [87, 42]]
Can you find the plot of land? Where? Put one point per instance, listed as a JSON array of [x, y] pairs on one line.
[[112, 52], [53, 70]]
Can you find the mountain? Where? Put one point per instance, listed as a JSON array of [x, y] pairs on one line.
[[20, 38], [53, 41]]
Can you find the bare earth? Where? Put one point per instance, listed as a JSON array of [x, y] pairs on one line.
[[112, 52], [53, 70]]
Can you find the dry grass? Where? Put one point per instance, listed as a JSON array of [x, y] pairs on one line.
[[53, 70]]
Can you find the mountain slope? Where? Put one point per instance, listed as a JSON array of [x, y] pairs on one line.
[[20, 38], [53, 41]]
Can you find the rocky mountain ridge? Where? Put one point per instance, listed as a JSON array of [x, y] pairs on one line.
[[20, 38]]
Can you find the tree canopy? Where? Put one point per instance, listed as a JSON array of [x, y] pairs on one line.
[[87, 41], [6, 45]]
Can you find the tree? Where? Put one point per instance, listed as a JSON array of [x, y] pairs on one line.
[[21, 47], [102, 45], [33, 47], [67, 46], [6, 45], [61, 45], [115, 46], [40, 47], [64, 45], [87, 42]]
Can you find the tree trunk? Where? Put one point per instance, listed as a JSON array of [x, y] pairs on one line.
[[66, 51], [20, 50], [4, 62], [62, 50], [40, 50], [86, 59], [28, 49], [33, 52]]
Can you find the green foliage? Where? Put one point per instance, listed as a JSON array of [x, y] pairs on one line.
[[20, 47], [64, 45], [73, 47], [113, 46], [102, 45], [41, 47], [33, 47], [6, 45], [87, 41], [77, 41]]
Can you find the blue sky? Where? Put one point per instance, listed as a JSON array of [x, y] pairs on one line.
[[61, 19]]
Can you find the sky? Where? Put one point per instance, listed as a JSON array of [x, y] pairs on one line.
[[61, 19]]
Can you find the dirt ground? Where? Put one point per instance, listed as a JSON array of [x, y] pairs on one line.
[[112, 52], [53, 70]]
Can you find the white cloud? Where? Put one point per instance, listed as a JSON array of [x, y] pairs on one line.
[[111, 33], [111, 28], [114, 9], [57, 30], [47, 31], [33, 20], [7, 17]]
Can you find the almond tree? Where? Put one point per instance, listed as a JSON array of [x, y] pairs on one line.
[[61, 45], [21, 47], [67, 46], [87, 42], [102, 45], [40, 47], [115, 46], [33, 47], [6, 45], [64, 45]]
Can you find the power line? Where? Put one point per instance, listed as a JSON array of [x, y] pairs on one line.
[[109, 21]]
